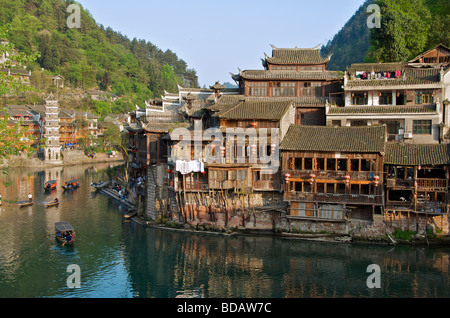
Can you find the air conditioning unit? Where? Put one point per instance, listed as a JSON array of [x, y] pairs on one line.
[[408, 135]]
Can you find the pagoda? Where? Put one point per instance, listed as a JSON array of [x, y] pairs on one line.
[[52, 151]]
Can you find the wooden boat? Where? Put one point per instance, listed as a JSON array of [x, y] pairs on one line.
[[130, 215], [25, 204], [50, 185], [52, 203], [100, 185], [71, 185], [64, 233]]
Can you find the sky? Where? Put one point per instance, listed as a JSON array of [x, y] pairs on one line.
[[217, 38]]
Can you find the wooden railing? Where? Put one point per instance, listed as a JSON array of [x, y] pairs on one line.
[[432, 183], [192, 185], [321, 174], [267, 185], [334, 198]]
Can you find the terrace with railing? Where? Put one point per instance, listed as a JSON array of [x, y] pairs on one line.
[[336, 198]]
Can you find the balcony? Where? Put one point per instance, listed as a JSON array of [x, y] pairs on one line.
[[432, 184], [334, 198], [337, 175], [422, 184], [267, 185], [435, 208], [192, 185]]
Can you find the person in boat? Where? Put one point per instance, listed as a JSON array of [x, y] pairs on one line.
[[30, 198], [56, 200]]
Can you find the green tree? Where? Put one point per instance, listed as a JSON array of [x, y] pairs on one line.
[[11, 135], [404, 30]]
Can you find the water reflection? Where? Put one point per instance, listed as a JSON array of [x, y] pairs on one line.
[[124, 259], [171, 264]]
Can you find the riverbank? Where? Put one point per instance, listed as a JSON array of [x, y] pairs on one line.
[[79, 159], [418, 240]]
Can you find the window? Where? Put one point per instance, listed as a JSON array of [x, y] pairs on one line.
[[424, 97], [385, 99], [336, 123], [284, 68], [422, 127], [308, 163], [257, 89], [359, 99], [283, 89]]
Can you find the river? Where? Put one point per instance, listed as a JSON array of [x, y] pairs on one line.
[[120, 259]]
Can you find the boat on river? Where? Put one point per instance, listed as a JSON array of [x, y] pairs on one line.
[[100, 185], [71, 185], [50, 185], [21, 205], [52, 203], [64, 233]]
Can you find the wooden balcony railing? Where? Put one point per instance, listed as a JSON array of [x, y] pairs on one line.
[[432, 183], [422, 183], [267, 185], [227, 184], [192, 185], [421, 207], [334, 198], [321, 174]]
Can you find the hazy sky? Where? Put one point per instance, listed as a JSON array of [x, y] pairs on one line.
[[218, 37]]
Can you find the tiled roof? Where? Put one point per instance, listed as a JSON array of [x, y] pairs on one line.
[[298, 101], [414, 155], [305, 75], [411, 77], [377, 67], [296, 56], [335, 139], [256, 110], [226, 101], [382, 110]]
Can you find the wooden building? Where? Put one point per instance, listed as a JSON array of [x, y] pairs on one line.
[[295, 74], [333, 174], [407, 97], [417, 185]]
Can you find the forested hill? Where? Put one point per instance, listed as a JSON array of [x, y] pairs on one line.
[[93, 57], [351, 43], [408, 28]]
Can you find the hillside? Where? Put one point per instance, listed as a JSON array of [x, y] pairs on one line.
[[351, 43], [408, 28], [92, 57]]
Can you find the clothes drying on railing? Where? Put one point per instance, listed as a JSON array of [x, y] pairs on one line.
[[186, 167]]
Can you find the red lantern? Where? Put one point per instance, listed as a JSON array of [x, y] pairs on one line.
[[287, 175], [254, 124], [168, 170]]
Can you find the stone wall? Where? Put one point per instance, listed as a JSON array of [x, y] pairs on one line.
[[417, 222]]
